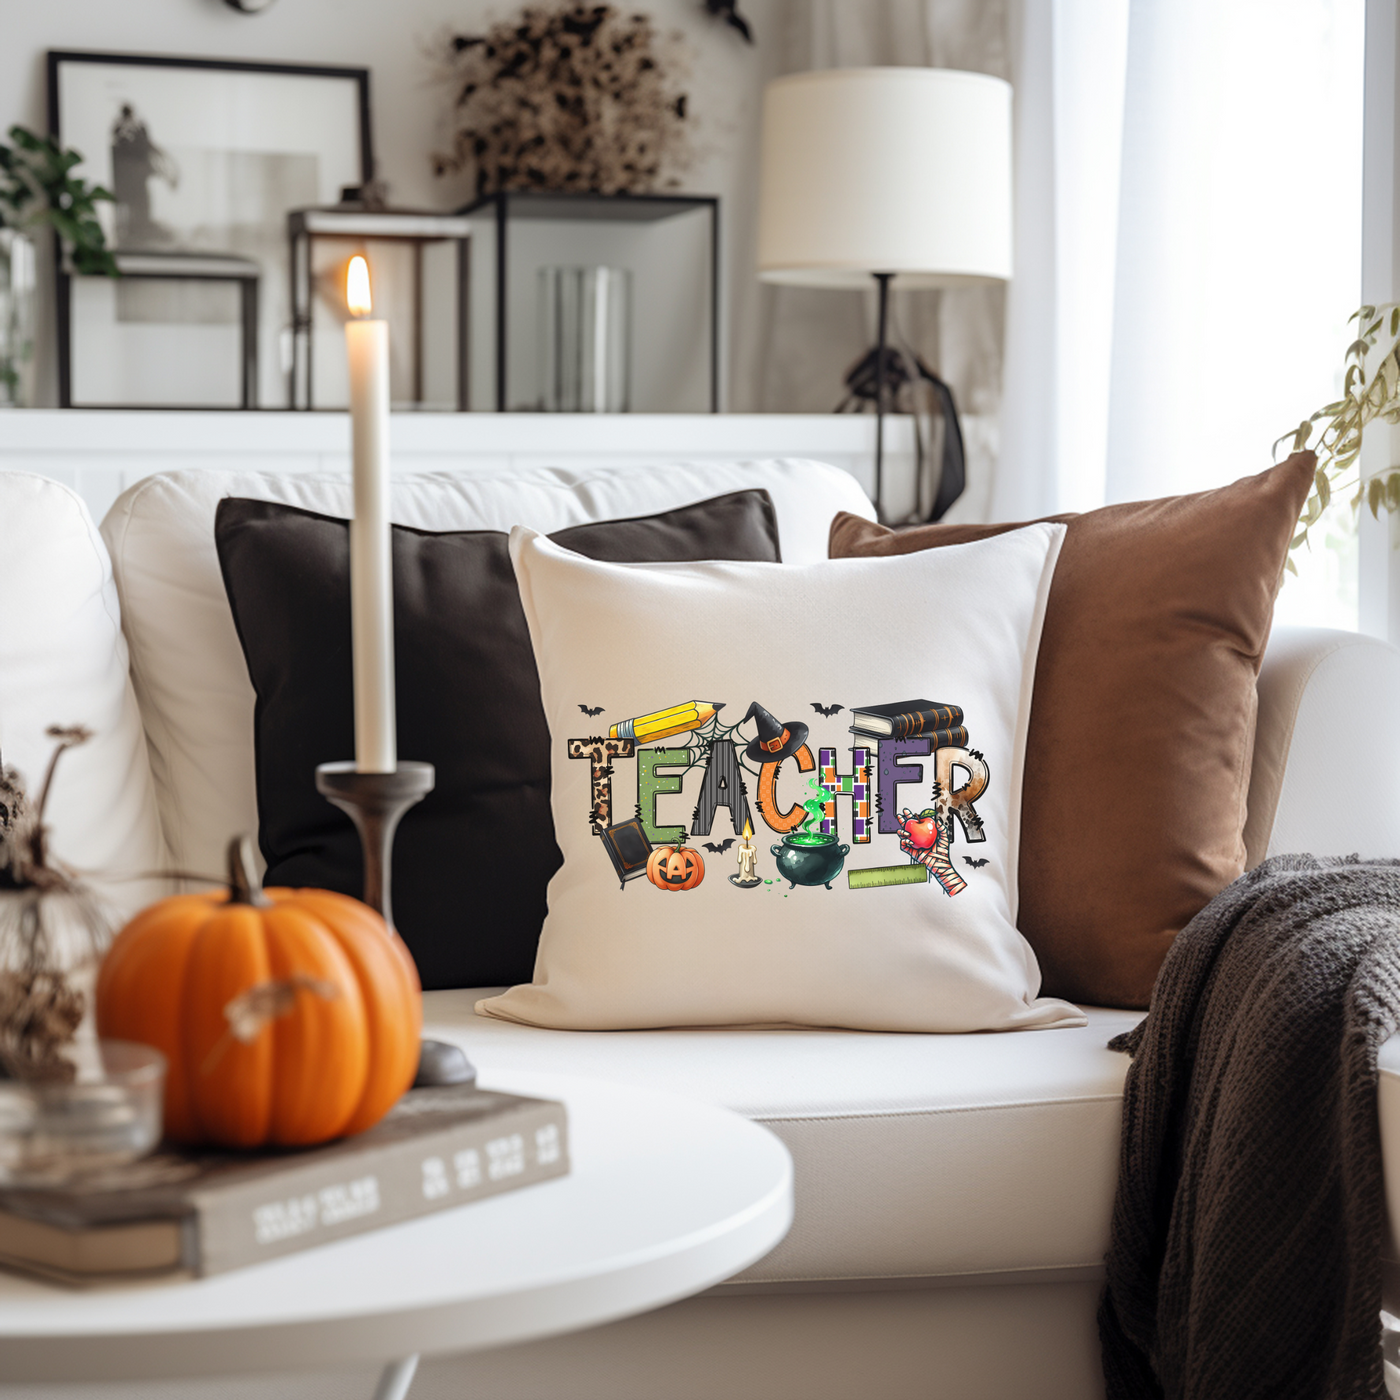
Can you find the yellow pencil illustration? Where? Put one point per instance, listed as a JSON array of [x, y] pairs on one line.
[[661, 724]]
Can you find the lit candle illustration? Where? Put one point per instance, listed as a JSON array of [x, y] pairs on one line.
[[371, 571], [748, 875]]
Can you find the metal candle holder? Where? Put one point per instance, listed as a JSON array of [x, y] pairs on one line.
[[376, 802]]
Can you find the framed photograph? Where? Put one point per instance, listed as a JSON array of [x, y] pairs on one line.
[[205, 158]]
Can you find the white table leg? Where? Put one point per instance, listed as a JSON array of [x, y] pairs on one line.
[[395, 1379]]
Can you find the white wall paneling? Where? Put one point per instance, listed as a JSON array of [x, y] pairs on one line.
[[100, 454]]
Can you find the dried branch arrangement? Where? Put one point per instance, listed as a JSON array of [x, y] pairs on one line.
[[1370, 390], [51, 927], [581, 98]]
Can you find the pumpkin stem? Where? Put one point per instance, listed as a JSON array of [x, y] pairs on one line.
[[244, 887]]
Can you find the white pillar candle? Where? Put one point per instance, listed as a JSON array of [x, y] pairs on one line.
[[371, 566]]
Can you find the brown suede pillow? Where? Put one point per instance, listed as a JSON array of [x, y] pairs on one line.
[[1142, 720]]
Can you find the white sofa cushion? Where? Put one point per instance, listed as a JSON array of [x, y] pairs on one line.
[[1313, 788], [916, 1156], [196, 698], [63, 660]]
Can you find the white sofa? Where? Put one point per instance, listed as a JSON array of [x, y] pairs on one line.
[[953, 1192]]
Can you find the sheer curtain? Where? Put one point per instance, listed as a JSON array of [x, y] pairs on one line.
[[1188, 250]]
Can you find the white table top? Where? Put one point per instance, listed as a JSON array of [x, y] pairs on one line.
[[666, 1197]]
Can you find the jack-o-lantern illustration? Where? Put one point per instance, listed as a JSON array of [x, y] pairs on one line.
[[675, 868]]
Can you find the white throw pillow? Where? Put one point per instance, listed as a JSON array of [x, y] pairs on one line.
[[875, 926], [63, 660]]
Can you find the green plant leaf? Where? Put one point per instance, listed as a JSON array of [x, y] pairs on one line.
[[37, 186], [95, 263], [1375, 493]]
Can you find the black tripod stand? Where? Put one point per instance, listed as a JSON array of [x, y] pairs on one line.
[[880, 375]]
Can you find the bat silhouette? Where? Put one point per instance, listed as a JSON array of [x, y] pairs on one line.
[[721, 848], [591, 710], [728, 11], [827, 710], [975, 864]]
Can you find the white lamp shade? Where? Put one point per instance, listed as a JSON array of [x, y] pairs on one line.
[[901, 170]]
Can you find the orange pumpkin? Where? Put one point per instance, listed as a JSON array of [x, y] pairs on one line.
[[675, 867], [287, 1017]]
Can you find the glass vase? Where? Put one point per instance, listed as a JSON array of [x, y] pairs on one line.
[[585, 339], [18, 293]]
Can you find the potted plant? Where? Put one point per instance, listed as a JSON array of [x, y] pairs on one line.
[[1370, 390], [38, 187]]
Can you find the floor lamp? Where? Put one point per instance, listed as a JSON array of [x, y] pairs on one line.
[[900, 174]]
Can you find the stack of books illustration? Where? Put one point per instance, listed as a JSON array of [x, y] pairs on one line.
[[941, 725]]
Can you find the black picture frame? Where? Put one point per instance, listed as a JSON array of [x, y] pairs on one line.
[[368, 232], [57, 60]]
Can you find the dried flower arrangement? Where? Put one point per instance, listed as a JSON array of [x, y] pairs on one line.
[[581, 98], [52, 927]]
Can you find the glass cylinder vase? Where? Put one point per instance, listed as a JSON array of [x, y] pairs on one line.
[[18, 293], [585, 339]]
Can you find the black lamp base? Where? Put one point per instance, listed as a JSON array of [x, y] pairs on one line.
[[882, 279], [878, 377], [376, 802]]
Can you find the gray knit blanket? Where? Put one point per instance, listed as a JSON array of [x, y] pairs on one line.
[[1244, 1259]]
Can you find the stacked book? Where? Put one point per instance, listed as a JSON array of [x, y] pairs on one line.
[[942, 725], [205, 1213]]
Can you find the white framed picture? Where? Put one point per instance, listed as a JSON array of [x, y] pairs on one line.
[[204, 158]]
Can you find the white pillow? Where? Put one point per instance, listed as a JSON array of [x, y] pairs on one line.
[[959, 625], [63, 660]]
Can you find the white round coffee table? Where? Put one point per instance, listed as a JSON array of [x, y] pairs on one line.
[[666, 1196]]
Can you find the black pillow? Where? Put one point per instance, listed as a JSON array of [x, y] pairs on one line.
[[471, 862]]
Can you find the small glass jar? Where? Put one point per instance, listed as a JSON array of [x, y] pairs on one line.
[[107, 1115]]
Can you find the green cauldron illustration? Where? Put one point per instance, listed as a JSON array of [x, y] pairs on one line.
[[809, 858]]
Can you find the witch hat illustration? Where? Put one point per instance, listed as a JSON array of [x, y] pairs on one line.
[[775, 741]]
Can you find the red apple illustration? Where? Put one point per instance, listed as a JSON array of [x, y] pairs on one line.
[[921, 832]]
